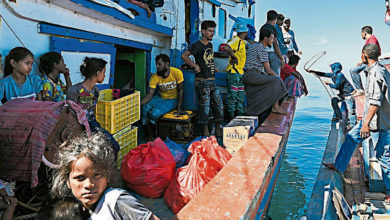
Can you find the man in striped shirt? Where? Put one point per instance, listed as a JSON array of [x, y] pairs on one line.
[[263, 87]]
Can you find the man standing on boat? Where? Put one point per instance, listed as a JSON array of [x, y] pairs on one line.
[[208, 94], [280, 38], [376, 116], [237, 52], [289, 38], [367, 35], [264, 89], [275, 57]]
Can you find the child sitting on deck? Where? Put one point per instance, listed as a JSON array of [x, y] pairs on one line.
[[17, 81], [292, 79], [86, 94], [345, 89], [85, 179], [7, 203], [51, 65]]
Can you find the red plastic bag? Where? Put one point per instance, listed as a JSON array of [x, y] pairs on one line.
[[208, 158], [148, 169]]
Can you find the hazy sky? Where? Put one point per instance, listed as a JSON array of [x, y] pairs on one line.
[[330, 25]]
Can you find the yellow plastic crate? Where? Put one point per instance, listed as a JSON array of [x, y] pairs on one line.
[[114, 115], [127, 140]]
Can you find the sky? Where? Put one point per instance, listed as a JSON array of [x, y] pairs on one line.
[[330, 25]]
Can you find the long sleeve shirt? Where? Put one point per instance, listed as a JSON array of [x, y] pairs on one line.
[[293, 40], [377, 94], [340, 83], [279, 37]]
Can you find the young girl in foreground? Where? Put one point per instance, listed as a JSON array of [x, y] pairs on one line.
[[87, 173], [86, 94], [17, 81], [51, 65]]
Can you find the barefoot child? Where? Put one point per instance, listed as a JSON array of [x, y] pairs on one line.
[[87, 174], [51, 65], [86, 93], [17, 81]]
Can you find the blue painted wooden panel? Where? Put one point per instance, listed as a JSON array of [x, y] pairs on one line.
[[75, 33], [215, 2], [190, 101], [222, 23], [67, 44], [120, 16], [194, 36]]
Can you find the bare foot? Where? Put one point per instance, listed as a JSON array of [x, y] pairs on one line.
[[206, 130], [218, 132], [332, 167], [279, 110]]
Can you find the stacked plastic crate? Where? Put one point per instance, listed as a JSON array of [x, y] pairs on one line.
[[117, 117]]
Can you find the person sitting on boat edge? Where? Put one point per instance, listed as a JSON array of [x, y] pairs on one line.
[[169, 81], [293, 80], [345, 89], [367, 35], [86, 94], [376, 117], [264, 89], [51, 65], [236, 49], [275, 57], [206, 90]]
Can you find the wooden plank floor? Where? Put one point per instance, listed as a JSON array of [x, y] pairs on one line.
[[355, 187]]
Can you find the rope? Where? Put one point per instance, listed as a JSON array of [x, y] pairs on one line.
[[307, 67], [28, 207], [312, 58], [12, 30]]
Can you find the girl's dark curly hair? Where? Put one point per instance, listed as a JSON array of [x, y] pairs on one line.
[[97, 149]]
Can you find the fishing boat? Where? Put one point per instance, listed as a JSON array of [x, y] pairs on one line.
[[358, 193], [122, 34]]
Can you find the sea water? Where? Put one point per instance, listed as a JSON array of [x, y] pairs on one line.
[[303, 155]]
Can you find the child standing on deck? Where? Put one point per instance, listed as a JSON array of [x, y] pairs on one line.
[[51, 65], [207, 92], [86, 94], [85, 177], [17, 81], [237, 52]]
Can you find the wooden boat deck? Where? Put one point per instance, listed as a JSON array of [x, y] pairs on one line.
[[355, 187], [243, 188]]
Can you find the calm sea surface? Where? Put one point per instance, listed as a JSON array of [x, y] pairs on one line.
[[303, 155]]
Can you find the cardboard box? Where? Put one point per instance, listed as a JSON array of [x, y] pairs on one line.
[[254, 118], [237, 132]]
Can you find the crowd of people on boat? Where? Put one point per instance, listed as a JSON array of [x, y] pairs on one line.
[[375, 122], [256, 69]]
